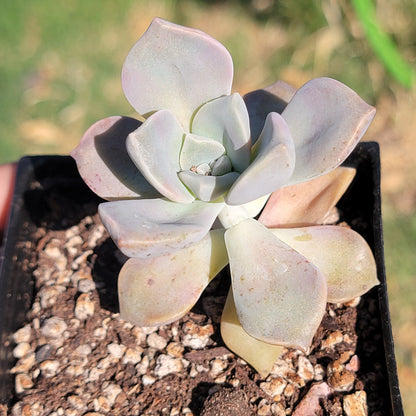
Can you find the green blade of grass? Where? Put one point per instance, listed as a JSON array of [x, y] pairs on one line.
[[382, 44]]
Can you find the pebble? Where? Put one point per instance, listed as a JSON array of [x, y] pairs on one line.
[[43, 275], [80, 274], [83, 349], [96, 233], [52, 249], [149, 329], [76, 402], [116, 350], [24, 364], [81, 259], [263, 408], [339, 378], [305, 368], [278, 409], [142, 367], [101, 403], [23, 334], [274, 387], [355, 404], [84, 307], [281, 368], [139, 334], [319, 372], [147, 380], [44, 352], [132, 355], [100, 333], [217, 367], [354, 364], [193, 372], [175, 349], [64, 278], [53, 327], [22, 382], [23, 410], [48, 295], [333, 339], [154, 340], [111, 391], [86, 285], [165, 364], [74, 370], [107, 362], [310, 404], [94, 374], [289, 390], [75, 240], [49, 368], [196, 337], [21, 349], [345, 357]]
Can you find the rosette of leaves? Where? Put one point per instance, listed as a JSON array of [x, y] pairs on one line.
[[186, 179]]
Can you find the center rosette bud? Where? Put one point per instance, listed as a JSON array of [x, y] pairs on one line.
[[205, 167]]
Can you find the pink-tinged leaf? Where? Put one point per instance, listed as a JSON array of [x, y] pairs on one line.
[[258, 354], [233, 214], [154, 148], [175, 68], [326, 119], [307, 203], [160, 290], [272, 165], [341, 254], [207, 187], [279, 295], [271, 99], [104, 164], [155, 227], [226, 120]]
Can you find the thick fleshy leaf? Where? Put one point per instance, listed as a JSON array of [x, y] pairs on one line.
[[154, 148], [175, 68], [159, 290], [271, 99], [233, 214], [307, 203], [208, 187], [272, 166], [326, 119], [279, 295], [154, 227], [226, 120], [341, 254], [104, 164], [221, 166], [198, 149], [259, 354]]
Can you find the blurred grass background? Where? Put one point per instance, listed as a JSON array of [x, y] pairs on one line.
[[60, 72]]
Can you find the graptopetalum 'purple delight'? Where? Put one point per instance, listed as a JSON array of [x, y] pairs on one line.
[[185, 183]]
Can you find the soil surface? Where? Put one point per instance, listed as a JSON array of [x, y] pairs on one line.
[[74, 355]]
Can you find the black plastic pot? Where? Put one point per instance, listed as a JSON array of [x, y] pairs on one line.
[[360, 207]]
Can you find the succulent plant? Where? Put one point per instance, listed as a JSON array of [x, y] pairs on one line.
[[185, 183]]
